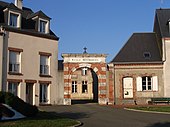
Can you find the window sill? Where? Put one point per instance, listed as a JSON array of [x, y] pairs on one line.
[[129, 98], [148, 91], [48, 76], [15, 73], [84, 93], [45, 104]]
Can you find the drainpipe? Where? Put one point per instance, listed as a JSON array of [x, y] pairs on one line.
[[164, 50], [114, 84], [4, 59]]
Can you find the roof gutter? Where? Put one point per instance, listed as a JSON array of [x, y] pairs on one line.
[[156, 62], [47, 36]]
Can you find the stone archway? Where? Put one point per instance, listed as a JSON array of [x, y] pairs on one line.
[[97, 64]]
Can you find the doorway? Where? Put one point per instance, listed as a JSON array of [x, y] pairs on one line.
[[29, 93]]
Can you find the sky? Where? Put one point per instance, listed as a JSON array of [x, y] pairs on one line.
[[103, 26]]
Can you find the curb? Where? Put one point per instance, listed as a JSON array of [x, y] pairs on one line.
[[135, 110], [77, 125]]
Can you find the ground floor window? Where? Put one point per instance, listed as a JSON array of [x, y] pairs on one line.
[[74, 86], [43, 93], [146, 83], [84, 87], [29, 93], [13, 88]]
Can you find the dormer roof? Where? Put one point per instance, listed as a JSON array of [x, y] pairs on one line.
[[39, 14], [28, 25], [13, 7]]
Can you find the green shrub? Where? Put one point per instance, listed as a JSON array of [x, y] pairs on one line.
[[2, 97], [18, 104], [6, 111]]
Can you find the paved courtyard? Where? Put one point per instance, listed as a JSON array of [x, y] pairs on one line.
[[94, 115]]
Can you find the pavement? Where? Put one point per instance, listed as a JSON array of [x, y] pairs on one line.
[[94, 115]]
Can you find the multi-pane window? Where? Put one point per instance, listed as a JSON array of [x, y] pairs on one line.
[[43, 93], [43, 26], [146, 83], [84, 71], [84, 87], [13, 20], [44, 65], [14, 62], [13, 88], [74, 86]]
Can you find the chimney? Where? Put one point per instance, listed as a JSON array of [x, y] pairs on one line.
[[18, 3]]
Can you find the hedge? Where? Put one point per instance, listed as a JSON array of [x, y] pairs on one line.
[[18, 104]]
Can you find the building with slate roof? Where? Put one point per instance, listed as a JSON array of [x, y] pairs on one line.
[[140, 71], [29, 66], [28, 54]]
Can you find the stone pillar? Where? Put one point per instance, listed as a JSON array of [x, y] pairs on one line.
[[103, 99], [111, 86], [67, 85]]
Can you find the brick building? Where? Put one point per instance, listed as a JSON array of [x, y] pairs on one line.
[[29, 62], [140, 71], [85, 77]]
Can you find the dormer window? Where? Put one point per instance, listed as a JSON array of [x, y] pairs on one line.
[[14, 19], [147, 55], [43, 26]]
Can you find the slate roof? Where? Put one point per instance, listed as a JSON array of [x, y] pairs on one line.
[[28, 26], [162, 17], [39, 13], [135, 48]]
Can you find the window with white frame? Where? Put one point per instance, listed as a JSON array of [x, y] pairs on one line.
[[43, 26], [14, 61], [44, 65], [147, 83], [14, 20], [74, 86], [13, 88], [84, 87], [84, 71], [43, 93]]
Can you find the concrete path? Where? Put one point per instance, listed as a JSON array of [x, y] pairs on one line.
[[94, 115]]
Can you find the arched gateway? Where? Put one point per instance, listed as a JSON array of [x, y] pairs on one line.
[[85, 77]]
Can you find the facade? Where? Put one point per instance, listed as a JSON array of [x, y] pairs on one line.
[[29, 62], [85, 77], [29, 54], [140, 71]]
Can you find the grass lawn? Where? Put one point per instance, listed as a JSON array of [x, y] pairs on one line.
[[43, 119], [152, 108]]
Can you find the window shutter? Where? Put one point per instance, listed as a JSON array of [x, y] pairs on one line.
[[155, 83], [139, 83]]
